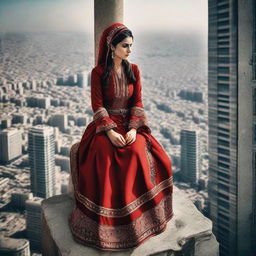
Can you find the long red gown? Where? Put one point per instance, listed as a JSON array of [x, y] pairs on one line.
[[123, 195]]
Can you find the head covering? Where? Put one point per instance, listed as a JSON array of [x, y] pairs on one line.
[[106, 39]]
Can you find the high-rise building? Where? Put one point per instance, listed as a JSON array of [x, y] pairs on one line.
[[10, 144], [82, 79], [41, 148], [232, 115], [19, 198], [33, 222], [190, 156]]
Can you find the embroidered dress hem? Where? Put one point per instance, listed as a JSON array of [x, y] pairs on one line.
[[89, 236], [116, 229]]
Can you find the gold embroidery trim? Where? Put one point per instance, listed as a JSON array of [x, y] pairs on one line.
[[100, 113], [141, 118], [152, 170], [120, 90], [138, 111], [128, 209], [152, 221], [103, 126], [113, 31], [111, 212]]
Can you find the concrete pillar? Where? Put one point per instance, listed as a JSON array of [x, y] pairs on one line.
[[106, 12], [188, 233]]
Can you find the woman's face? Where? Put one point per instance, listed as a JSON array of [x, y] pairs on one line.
[[123, 49]]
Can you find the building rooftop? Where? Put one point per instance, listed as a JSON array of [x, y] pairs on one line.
[[8, 244]]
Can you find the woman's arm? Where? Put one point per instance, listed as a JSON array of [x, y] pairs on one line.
[[138, 117], [101, 118]]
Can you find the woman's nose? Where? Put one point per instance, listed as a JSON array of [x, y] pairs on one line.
[[129, 49]]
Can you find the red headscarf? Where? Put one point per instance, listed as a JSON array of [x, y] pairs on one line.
[[106, 39]]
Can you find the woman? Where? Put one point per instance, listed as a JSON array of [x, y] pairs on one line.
[[122, 177]]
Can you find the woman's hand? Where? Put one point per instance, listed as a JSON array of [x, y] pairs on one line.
[[130, 136], [116, 138]]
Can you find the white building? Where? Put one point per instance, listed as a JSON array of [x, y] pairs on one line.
[[41, 148], [10, 144]]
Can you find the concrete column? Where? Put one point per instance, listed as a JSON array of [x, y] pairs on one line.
[[189, 232], [106, 12]]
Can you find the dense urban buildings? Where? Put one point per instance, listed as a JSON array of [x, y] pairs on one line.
[[231, 80]]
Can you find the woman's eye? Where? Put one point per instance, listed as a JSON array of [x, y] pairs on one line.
[[126, 45]]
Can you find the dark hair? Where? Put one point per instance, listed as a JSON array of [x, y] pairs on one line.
[[125, 63]]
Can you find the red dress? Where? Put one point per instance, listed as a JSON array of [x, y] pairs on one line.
[[123, 195]]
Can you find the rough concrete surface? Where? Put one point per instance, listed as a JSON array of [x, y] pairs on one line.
[[188, 233]]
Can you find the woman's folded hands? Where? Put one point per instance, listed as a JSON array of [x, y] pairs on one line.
[[119, 140]]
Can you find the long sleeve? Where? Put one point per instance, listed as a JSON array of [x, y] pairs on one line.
[[138, 117], [101, 117]]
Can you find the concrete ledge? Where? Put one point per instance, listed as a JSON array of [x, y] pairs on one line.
[[188, 233]]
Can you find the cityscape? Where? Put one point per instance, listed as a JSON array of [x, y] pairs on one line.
[[199, 97], [53, 108]]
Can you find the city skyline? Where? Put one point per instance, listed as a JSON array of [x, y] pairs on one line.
[[186, 16], [174, 92], [174, 89]]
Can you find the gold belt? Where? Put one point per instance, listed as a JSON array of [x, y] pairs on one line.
[[118, 111]]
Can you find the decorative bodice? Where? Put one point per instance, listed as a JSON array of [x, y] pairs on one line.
[[119, 95], [119, 92]]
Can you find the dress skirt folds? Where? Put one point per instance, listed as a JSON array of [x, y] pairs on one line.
[[123, 195]]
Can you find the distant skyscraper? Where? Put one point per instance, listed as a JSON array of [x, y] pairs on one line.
[[89, 79], [72, 80], [190, 156], [82, 79], [41, 148], [10, 145], [19, 198], [33, 222], [232, 114], [1, 94]]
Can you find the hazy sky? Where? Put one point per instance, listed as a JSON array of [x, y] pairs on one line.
[[77, 15]]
